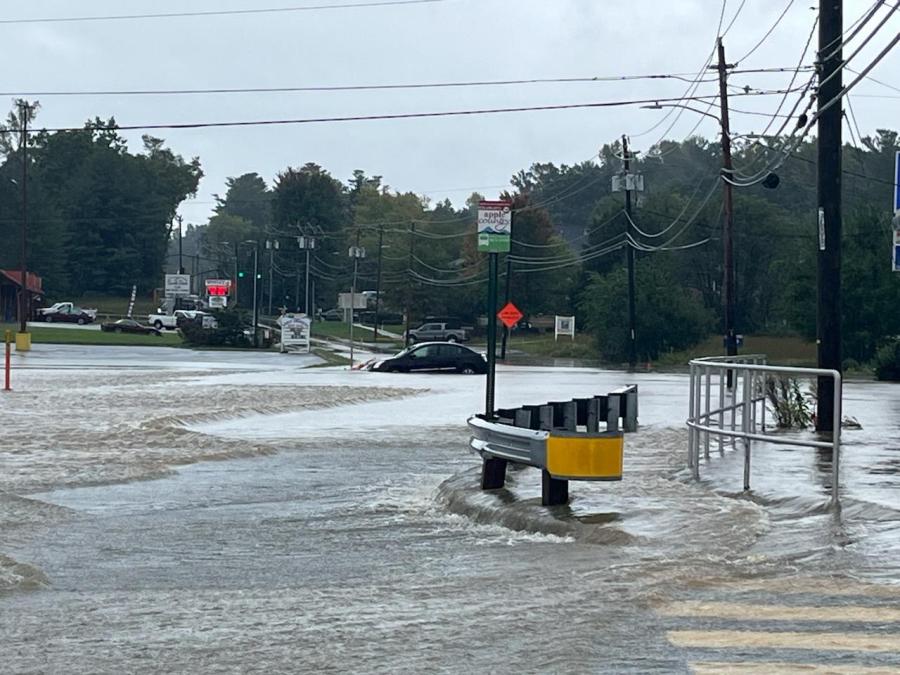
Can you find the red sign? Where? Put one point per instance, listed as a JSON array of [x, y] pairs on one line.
[[509, 315], [218, 287]]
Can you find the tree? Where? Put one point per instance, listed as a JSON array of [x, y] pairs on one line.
[[669, 317], [249, 198]]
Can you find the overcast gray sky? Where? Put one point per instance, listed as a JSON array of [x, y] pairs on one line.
[[443, 41]]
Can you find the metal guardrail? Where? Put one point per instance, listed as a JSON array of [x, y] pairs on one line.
[[737, 411], [563, 439]]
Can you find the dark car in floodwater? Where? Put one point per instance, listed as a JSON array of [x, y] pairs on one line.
[[434, 357], [129, 326]]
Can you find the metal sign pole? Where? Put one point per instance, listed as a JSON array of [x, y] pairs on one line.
[[491, 335]]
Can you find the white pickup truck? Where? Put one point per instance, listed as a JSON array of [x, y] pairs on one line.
[[170, 321]]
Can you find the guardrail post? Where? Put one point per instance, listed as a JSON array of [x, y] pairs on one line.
[[493, 473], [545, 415], [631, 409], [612, 412], [594, 414], [523, 418], [570, 416], [553, 490]]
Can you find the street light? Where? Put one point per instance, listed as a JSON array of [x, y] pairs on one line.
[[355, 252], [255, 303]]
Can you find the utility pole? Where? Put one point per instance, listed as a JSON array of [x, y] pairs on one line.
[[180, 266], [412, 245], [629, 252], [307, 244], [378, 281], [728, 200], [255, 294], [23, 343], [828, 325], [356, 252], [272, 245]]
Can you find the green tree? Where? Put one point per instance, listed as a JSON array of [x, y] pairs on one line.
[[669, 317]]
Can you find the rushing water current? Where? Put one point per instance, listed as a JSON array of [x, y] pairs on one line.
[[342, 529]]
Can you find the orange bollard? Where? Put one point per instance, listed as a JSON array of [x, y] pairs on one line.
[[6, 386]]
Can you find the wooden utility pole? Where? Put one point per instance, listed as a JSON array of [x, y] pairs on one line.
[[24, 297], [728, 200], [412, 248], [828, 325], [629, 253]]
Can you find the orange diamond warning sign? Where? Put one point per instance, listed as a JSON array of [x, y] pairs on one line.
[[509, 315]]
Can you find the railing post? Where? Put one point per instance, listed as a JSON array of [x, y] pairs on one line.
[[745, 427], [721, 409], [836, 440], [707, 376], [692, 415]]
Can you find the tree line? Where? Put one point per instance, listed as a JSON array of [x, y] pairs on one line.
[[101, 221]]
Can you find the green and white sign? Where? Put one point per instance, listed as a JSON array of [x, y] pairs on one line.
[[494, 226]]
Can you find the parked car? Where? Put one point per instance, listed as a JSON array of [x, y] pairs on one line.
[[434, 356], [445, 332], [66, 312], [129, 326], [333, 315]]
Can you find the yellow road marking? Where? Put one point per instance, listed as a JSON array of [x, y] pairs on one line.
[[714, 668], [851, 642], [727, 610]]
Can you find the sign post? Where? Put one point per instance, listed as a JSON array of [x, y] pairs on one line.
[[895, 259], [897, 184], [494, 227], [895, 252]]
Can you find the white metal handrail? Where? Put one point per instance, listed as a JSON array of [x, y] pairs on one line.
[[741, 395]]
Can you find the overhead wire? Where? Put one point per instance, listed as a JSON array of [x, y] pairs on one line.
[[219, 12], [761, 175], [388, 116]]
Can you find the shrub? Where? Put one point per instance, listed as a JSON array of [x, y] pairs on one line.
[[791, 408], [887, 361], [229, 333]]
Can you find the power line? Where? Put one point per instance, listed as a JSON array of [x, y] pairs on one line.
[[586, 79], [395, 116], [221, 12], [769, 32]]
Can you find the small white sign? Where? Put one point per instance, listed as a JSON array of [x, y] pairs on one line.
[[821, 229], [359, 300], [564, 325], [178, 285]]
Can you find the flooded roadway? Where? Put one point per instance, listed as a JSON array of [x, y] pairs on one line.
[[342, 530]]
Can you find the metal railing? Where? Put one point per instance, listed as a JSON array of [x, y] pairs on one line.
[[738, 411]]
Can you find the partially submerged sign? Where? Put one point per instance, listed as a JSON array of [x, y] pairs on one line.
[[494, 226], [295, 329]]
